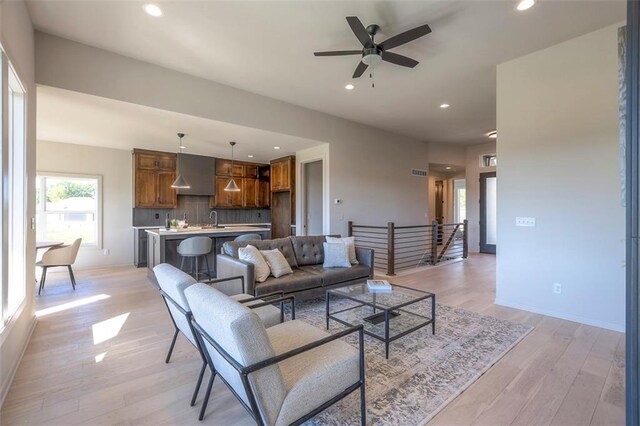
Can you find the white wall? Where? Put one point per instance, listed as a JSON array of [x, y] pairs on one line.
[[361, 156], [114, 165], [313, 200], [558, 160], [473, 171], [16, 37]]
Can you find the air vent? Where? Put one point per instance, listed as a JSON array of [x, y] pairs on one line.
[[419, 173]]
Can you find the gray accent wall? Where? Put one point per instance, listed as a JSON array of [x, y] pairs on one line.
[[558, 161]]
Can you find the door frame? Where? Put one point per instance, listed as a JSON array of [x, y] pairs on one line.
[[484, 247], [318, 153]]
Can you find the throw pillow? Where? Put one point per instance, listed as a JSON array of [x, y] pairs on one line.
[[252, 255], [336, 255], [351, 246], [277, 262]]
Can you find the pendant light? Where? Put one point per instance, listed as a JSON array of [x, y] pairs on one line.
[[232, 186], [180, 182]]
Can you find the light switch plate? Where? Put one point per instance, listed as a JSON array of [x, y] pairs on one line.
[[526, 221]]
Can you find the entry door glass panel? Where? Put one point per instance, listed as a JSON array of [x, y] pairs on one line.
[[491, 211]]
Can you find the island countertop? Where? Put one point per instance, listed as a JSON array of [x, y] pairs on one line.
[[222, 231]]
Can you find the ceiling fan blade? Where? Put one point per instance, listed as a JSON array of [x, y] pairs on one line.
[[359, 30], [360, 69], [338, 53], [405, 37], [394, 58]]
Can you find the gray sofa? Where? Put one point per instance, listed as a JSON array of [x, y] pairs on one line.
[[306, 256]]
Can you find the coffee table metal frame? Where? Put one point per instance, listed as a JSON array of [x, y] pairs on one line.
[[387, 311]]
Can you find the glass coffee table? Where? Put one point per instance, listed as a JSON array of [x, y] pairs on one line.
[[383, 314]]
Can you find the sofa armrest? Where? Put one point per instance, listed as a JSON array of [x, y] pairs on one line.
[[228, 266], [365, 257]]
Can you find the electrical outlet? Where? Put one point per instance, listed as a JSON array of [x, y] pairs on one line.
[[157, 215], [106, 252], [557, 288], [529, 222]]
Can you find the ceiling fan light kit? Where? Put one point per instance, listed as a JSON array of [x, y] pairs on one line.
[[373, 54]]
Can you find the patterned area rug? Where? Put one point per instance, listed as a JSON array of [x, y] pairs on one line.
[[424, 372]]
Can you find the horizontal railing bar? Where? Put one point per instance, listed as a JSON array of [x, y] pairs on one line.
[[367, 227]]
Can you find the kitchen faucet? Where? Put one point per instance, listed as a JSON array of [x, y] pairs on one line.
[[211, 214]]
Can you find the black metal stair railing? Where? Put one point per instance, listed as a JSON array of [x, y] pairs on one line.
[[399, 248]]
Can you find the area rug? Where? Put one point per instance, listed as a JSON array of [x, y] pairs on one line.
[[424, 372]]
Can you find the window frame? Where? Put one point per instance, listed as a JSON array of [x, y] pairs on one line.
[[41, 213]]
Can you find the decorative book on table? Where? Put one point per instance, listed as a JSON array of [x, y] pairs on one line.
[[379, 286]]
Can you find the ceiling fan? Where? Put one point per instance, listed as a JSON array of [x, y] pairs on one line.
[[372, 53]]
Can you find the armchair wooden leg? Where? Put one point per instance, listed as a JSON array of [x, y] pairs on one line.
[[73, 278], [206, 396], [197, 389], [42, 279], [173, 343]]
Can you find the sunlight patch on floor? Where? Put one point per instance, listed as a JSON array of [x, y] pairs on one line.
[[108, 329], [70, 305]]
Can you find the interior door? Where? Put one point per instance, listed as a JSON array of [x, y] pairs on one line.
[[488, 212]]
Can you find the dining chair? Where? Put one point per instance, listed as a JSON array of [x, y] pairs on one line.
[[57, 257]]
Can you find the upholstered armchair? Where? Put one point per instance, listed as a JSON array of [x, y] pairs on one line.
[[282, 375], [59, 256], [173, 282]]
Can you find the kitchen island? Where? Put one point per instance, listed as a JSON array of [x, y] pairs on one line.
[[162, 244]]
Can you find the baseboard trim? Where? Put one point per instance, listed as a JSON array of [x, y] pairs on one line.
[[561, 315], [7, 385]]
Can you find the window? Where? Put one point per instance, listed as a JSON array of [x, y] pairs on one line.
[[488, 160], [68, 207], [459, 200], [13, 125]]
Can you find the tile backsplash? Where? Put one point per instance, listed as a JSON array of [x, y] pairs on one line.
[[197, 209]]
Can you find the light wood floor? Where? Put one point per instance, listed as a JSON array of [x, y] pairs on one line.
[[102, 362]]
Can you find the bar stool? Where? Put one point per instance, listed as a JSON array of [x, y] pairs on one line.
[[195, 247]]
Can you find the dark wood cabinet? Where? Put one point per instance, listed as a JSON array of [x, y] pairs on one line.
[[153, 174], [250, 192], [226, 198], [282, 197], [254, 190], [264, 194], [223, 168], [281, 173]]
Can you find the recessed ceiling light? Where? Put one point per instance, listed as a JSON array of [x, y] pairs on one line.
[[444, 106], [493, 135], [349, 86], [525, 4], [448, 168], [276, 147], [152, 10], [183, 147], [250, 156]]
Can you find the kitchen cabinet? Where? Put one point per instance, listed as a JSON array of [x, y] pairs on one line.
[[251, 171], [264, 194], [226, 198], [153, 174], [250, 192], [282, 197], [223, 168], [281, 174]]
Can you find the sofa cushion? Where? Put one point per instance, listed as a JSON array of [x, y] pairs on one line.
[[301, 279], [308, 250], [331, 276], [230, 248], [277, 263]]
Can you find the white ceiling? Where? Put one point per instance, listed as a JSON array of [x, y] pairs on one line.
[[266, 47], [71, 117]]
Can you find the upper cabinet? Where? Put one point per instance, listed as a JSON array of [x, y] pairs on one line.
[[282, 174], [250, 178], [153, 174], [224, 168]]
